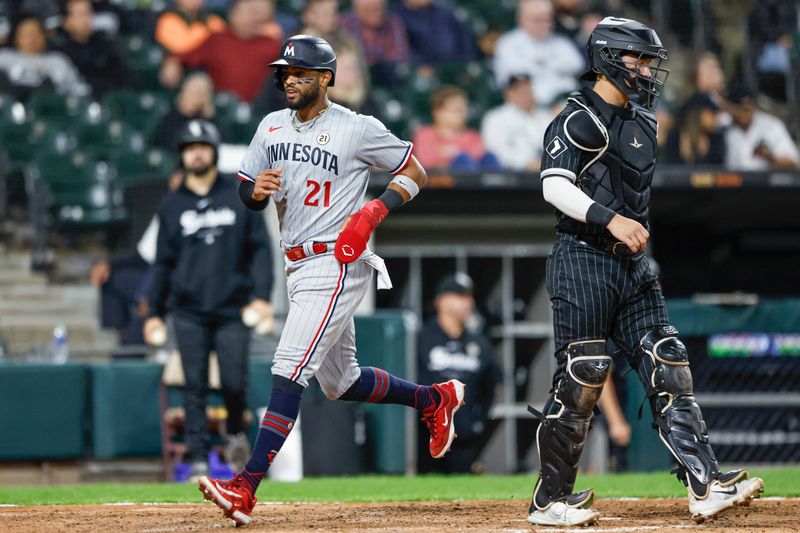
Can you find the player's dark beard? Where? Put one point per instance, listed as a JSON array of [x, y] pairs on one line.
[[200, 170], [304, 100]]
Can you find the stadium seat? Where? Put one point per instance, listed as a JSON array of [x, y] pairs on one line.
[[109, 137], [143, 110], [82, 190], [235, 118], [133, 167], [58, 108], [23, 141], [144, 59]]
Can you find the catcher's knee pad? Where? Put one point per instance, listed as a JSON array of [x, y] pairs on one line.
[[664, 370], [564, 425]]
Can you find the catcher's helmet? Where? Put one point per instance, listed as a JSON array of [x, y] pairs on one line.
[[305, 51], [199, 131], [614, 37]]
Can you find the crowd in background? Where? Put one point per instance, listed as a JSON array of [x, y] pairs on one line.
[[528, 60]]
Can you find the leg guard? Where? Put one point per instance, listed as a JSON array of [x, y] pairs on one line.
[[565, 423], [663, 367]]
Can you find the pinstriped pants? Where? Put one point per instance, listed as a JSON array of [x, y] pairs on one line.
[[319, 337], [596, 295]]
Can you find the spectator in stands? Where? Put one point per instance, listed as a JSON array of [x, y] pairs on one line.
[[383, 37], [321, 17], [276, 25], [552, 61], [352, 85], [448, 143], [707, 77], [48, 11], [435, 34], [567, 15], [449, 349], [757, 140], [185, 27], [195, 100], [95, 55], [29, 66], [235, 58], [772, 24], [696, 138], [514, 131]]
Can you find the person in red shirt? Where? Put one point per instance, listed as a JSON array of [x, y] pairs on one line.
[[235, 58], [448, 142]]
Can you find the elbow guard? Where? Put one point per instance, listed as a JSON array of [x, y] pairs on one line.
[[246, 195]]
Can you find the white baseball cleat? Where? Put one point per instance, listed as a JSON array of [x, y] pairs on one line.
[[575, 510], [730, 490]]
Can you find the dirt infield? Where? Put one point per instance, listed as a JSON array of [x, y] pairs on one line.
[[766, 516]]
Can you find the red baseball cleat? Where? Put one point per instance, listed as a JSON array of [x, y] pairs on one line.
[[234, 497], [439, 418]]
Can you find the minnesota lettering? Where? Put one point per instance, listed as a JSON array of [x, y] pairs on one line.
[[305, 154]]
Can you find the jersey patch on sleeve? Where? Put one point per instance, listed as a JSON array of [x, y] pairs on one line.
[[556, 147]]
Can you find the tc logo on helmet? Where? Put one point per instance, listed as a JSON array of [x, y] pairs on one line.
[[289, 51]]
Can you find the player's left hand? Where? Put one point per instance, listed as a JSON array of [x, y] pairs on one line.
[[354, 237]]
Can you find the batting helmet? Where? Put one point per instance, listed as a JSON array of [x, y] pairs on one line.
[[614, 37], [305, 51], [199, 131]]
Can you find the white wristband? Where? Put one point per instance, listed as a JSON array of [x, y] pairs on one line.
[[407, 184]]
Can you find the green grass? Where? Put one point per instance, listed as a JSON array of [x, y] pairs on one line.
[[779, 482]]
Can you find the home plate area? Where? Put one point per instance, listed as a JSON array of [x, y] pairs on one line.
[[764, 516]]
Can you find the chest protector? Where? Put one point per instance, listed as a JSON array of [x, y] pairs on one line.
[[620, 177]]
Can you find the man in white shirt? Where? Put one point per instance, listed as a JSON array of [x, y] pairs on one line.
[[553, 61], [757, 140], [514, 131]]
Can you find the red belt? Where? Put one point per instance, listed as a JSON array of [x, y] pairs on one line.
[[301, 252]]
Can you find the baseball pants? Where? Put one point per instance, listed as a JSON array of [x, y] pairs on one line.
[[318, 338], [196, 339], [596, 295]]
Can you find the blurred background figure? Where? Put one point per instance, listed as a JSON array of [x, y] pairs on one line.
[[707, 78], [514, 131], [29, 66], [756, 140], [697, 138], [93, 53], [772, 25], [382, 36], [234, 58], [186, 26], [553, 61], [195, 100], [352, 88], [448, 349], [275, 25], [321, 17], [213, 261], [435, 34], [448, 142]]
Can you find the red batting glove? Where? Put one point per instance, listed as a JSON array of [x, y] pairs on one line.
[[353, 240]]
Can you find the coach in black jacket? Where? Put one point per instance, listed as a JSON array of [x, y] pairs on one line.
[[213, 259]]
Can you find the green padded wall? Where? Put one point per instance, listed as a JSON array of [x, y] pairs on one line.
[[42, 411]]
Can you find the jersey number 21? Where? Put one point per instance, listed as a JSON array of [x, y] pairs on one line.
[[312, 198]]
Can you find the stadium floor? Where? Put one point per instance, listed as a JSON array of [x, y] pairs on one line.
[[670, 515]]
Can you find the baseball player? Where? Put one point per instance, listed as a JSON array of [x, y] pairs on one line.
[[314, 159], [597, 165]]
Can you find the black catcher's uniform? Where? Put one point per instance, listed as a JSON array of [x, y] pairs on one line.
[[598, 290]]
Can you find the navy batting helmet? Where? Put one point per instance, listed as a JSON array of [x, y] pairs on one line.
[[305, 51], [614, 37]]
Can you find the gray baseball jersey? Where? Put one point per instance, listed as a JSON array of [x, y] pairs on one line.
[[326, 166]]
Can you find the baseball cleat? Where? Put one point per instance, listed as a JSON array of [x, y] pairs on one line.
[[439, 418], [732, 489], [574, 510], [234, 497]]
